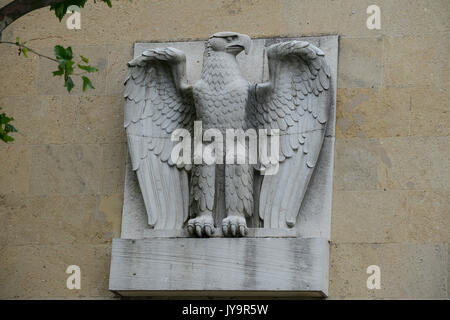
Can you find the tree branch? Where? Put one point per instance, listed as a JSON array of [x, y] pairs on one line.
[[29, 49], [18, 8]]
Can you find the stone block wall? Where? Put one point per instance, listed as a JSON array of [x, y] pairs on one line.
[[61, 181]]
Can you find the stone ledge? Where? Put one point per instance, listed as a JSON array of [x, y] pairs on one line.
[[252, 233], [232, 267]]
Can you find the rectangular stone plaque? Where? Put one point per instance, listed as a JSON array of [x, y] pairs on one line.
[[220, 267]]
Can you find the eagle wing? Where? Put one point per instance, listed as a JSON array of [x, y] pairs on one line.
[[296, 101], [158, 101]]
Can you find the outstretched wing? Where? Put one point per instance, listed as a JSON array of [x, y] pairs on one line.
[[296, 101], [157, 101]]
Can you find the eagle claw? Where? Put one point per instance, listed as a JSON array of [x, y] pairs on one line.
[[201, 226], [234, 226]]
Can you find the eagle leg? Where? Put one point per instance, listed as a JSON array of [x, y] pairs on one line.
[[202, 201]]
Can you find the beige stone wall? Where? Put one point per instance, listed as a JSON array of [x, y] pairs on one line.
[[61, 181]]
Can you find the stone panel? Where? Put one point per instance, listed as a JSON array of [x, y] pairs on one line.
[[416, 61], [39, 271], [407, 271], [52, 220], [369, 216], [372, 113], [114, 157], [247, 266], [428, 216], [21, 71], [413, 163], [15, 161], [65, 169], [360, 63], [355, 165]]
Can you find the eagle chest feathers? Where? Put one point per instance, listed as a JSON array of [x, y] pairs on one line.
[[221, 94]]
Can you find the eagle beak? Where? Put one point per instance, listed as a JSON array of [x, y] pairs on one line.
[[246, 42]]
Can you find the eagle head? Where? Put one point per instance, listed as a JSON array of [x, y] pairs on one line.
[[230, 42]]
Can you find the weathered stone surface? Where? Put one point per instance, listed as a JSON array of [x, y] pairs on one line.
[[53, 120], [39, 271], [247, 266], [407, 271], [11, 205], [428, 216], [360, 63], [118, 57], [391, 163], [52, 220], [21, 71], [65, 169], [114, 157], [355, 165], [109, 216], [306, 18], [430, 103], [91, 125], [357, 109], [99, 272], [351, 16], [21, 109], [15, 168], [415, 17], [448, 270], [415, 61], [413, 163], [369, 216]]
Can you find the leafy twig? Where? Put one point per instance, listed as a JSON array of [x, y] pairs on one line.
[[22, 47]]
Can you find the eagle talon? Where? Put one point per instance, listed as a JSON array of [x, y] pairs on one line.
[[234, 226], [201, 226]]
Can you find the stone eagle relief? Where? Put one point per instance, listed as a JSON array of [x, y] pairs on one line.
[[161, 108]]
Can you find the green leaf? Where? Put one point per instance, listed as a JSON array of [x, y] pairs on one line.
[[84, 59], [69, 84], [10, 128], [87, 83], [63, 54], [25, 50], [4, 119], [18, 41], [59, 10], [58, 73], [87, 68], [69, 67], [5, 137], [6, 128], [60, 52], [69, 53], [108, 2]]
